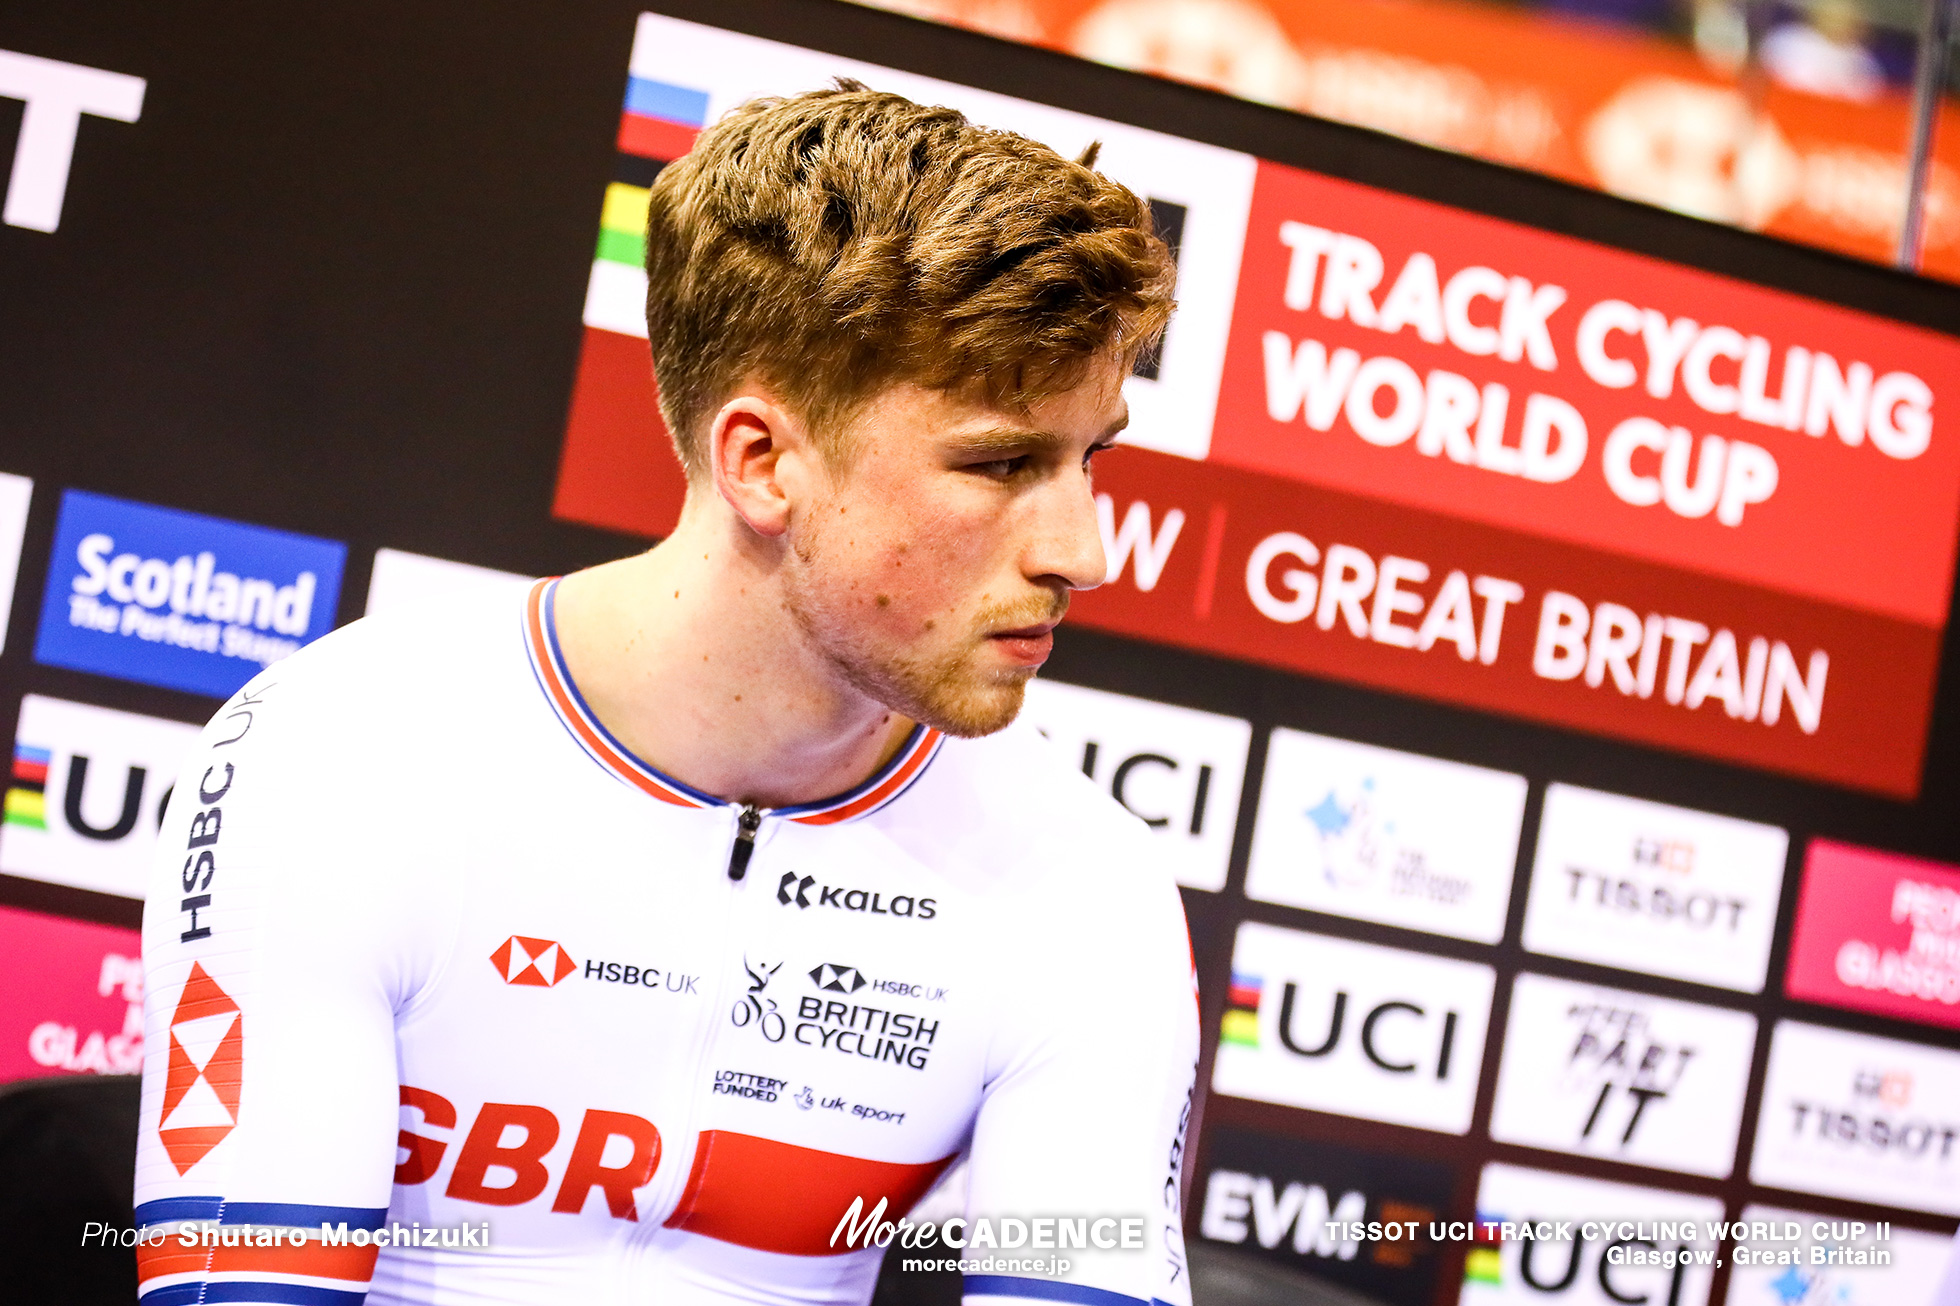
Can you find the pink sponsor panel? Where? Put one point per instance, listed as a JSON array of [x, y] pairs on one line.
[[78, 1008], [1878, 932]]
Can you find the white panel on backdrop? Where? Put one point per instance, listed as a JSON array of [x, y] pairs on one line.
[[1787, 1273], [1865, 1118], [1625, 1076], [15, 491], [1648, 887], [1355, 1029], [106, 775], [1214, 187], [411, 581], [1379, 835], [1179, 769], [1583, 1271]]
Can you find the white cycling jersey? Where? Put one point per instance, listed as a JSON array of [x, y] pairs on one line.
[[433, 956]]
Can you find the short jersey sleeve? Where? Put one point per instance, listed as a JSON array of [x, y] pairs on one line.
[[1080, 1134], [269, 1081]]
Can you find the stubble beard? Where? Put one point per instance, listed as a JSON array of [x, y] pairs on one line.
[[943, 688]]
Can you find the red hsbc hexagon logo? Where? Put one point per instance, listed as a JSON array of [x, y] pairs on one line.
[[540, 963]]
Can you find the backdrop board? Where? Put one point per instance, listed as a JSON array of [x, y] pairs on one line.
[[1526, 625]]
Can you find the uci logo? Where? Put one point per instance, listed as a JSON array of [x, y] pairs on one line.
[[27, 796], [1405, 1053]]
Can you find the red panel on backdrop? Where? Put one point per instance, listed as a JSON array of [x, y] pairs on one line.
[[1585, 394], [1334, 584], [78, 1007], [619, 470], [1878, 932]]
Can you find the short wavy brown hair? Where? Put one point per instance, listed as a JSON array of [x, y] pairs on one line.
[[844, 240]]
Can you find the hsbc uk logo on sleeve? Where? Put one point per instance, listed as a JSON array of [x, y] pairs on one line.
[[1626, 1076], [179, 599], [1176, 769], [1353, 1028]]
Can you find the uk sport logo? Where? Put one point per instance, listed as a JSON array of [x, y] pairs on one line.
[[539, 963]]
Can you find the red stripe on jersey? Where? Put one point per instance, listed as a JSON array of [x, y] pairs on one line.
[[560, 693], [354, 1264], [777, 1197], [904, 770], [897, 776]]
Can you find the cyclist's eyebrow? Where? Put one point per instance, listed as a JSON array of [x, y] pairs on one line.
[[1001, 441]]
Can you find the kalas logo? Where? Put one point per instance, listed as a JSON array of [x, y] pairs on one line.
[[179, 599], [539, 963], [794, 888]]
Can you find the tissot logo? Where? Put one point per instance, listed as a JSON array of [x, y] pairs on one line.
[[1864, 1118], [805, 891], [539, 963], [837, 979], [1352, 1028], [1654, 888]]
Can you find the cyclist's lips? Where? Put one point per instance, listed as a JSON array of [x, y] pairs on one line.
[[1027, 645]]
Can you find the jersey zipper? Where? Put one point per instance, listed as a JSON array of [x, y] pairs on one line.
[[744, 846]]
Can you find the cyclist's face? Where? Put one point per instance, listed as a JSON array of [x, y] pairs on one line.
[[932, 569]]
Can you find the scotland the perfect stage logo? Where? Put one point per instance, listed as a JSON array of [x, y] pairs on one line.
[[179, 599]]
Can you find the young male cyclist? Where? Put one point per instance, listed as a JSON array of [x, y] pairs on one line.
[[638, 944]]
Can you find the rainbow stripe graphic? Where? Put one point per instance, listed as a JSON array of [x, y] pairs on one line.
[[27, 795], [1485, 1262], [658, 125], [1241, 1023]]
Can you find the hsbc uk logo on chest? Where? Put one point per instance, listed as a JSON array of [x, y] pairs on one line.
[[849, 979], [544, 963], [805, 891]]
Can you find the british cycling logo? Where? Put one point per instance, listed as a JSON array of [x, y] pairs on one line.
[[854, 1029], [754, 1009], [179, 599], [794, 888], [542, 963]]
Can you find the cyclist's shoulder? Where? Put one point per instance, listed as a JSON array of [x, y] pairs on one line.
[[390, 676], [1046, 833]]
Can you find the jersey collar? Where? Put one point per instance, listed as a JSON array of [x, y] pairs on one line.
[[548, 665]]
